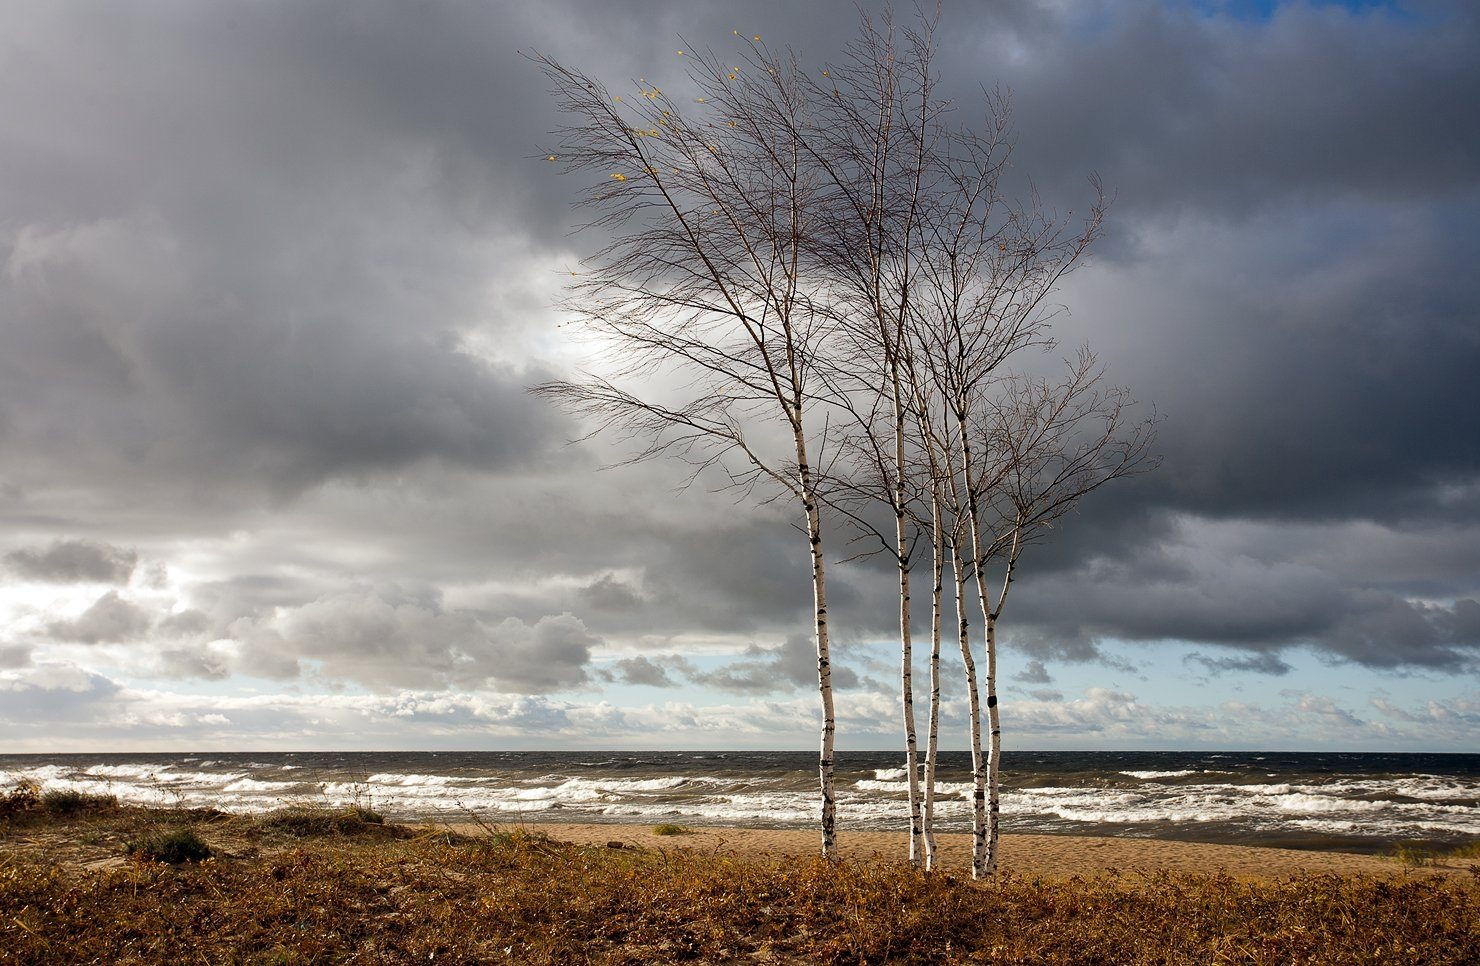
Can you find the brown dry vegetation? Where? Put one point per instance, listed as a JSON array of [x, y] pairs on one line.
[[325, 887]]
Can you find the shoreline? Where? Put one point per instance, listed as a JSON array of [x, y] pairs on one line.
[[1023, 854]]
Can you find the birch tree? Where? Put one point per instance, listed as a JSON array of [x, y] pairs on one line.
[[708, 205], [1054, 443], [871, 148]]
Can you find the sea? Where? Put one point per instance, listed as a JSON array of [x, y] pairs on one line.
[[1319, 801]]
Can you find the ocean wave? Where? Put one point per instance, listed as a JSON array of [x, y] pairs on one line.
[[409, 780], [256, 786], [1148, 775]]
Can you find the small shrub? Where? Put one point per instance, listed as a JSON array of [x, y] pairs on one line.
[[71, 802], [175, 846], [25, 797], [668, 828], [1413, 853]]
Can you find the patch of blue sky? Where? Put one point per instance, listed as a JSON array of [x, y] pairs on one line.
[[1257, 11]]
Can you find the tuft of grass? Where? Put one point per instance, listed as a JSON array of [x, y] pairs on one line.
[[668, 828], [69, 802], [1468, 852], [174, 847], [310, 822]]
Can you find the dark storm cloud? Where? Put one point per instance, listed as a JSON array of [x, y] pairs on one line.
[[284, 270], [1180, 110], [73, 561], [231, 256]]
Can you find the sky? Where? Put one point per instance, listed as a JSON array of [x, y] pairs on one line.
[[275, 276]]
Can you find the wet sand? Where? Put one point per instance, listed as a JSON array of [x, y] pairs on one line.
[[1056, 856]]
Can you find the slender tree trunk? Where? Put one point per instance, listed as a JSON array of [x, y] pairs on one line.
[[994, 753], [932, 740], [907, 699], [824, 663], [981, 855], [978, 764], [906, 637], [992, 612]]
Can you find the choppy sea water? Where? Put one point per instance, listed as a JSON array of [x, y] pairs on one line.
[[1362, 802]]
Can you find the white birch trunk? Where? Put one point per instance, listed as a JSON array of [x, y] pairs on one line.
[[824, 663], [932, 739], [994, 753], [907, 696], [906, 637], [978, 764], [992, 612]]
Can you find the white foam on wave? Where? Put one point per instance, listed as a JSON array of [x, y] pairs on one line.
[[1148, 775], [890, 774], [864, 784], [409, 780], [256, 786]]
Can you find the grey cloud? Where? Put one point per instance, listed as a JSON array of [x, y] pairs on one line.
[[548, 656], [1176, 107], [15, 655], [51, 693], [1192, 586], [1321, 707], [610, 593], [645, 671], [185, 623], [110, 620], [1035, 673], [1382, 630], [194, 661], [390, 640], [786, 667], [1254, 663], [252, 256], [74, 561]]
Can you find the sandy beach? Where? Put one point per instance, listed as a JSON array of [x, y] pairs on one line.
[[1058, 856]]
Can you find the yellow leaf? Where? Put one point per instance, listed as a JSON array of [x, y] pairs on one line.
[[700, 100], [549, 157], [619, 177], [732, 77], [617, 99], [756, 38], [826, 74], [732, 124], [679, 52]]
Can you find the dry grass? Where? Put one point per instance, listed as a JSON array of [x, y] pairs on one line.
[[271, 895]]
